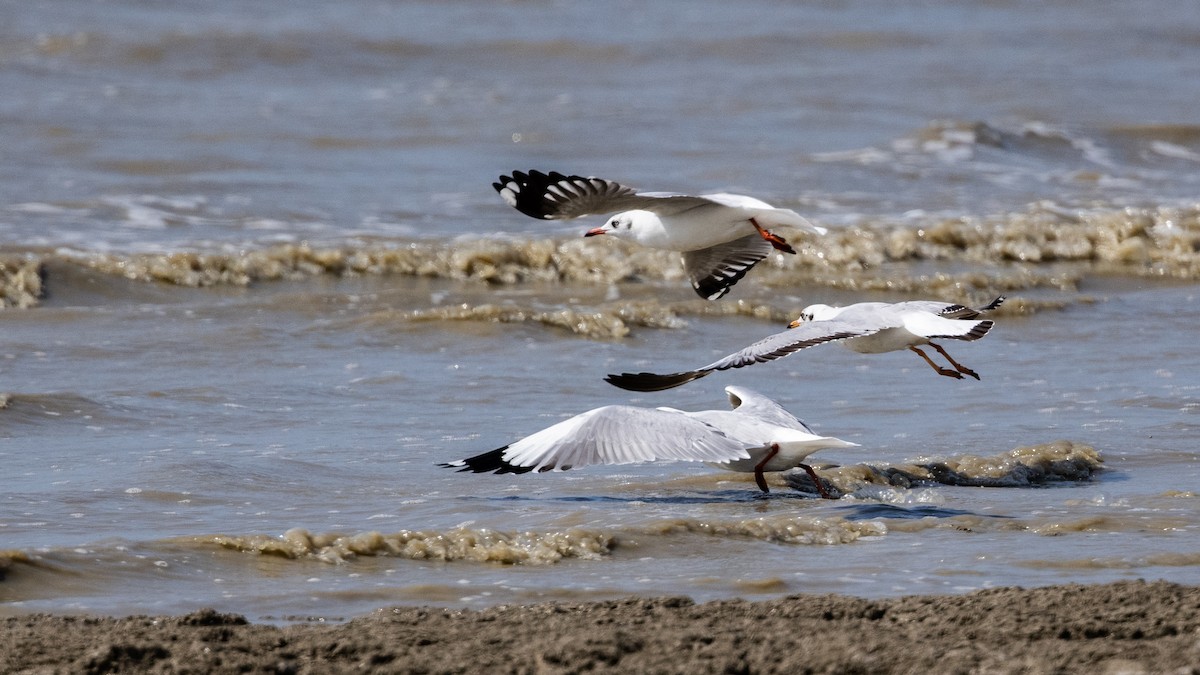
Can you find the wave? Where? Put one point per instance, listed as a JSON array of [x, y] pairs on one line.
[[1034, 150], [215, 51], [34, 410], [964, 259], [1060, 461], [478, 545]]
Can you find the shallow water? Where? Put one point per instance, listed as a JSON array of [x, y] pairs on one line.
[[258, 286]]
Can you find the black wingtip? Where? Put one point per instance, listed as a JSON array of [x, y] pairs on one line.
[[993, 304], [488, 462], [526, 191], [714, 288], [719, 281], [982, 328], [652, 381]]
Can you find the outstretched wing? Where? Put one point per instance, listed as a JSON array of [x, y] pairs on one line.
[[555, 196], [614, 434], [772, 347]]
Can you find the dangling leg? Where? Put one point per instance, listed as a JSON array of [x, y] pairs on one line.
[[816, 481], [758, 468], [957, 366], [777, 241], [940, 370]]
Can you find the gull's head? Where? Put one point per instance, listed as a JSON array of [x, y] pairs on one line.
[[815, 313], [627, 225]]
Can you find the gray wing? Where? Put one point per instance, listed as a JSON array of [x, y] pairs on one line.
[[555, 196], [772, 347], [949, 310], [714, 270], [614, 434], [751, 402]]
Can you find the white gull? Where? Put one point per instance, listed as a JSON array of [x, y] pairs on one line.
[[757, 435], [721, 235], [866, 327]]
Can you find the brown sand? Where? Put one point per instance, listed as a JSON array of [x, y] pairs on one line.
[[1126, 627]]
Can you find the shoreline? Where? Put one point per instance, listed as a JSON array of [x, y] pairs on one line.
[[1121, 627]]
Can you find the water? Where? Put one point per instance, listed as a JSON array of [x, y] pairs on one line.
[[258, 285]]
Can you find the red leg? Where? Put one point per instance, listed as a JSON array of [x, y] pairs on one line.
[[957, 366], [940, 370], [758, 468], [816, 481], [777, 241]]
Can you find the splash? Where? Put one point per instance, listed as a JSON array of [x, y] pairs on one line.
[[20, 282]]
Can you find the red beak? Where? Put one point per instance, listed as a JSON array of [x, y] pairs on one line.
[[594, 231]]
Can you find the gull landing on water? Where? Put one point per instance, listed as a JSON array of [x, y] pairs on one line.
[[721, 236], [757, 435], [865, 327]]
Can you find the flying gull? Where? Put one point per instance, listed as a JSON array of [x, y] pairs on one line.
[[865, 327], [721, 235], [757, 435]]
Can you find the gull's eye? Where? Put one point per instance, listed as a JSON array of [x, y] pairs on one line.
[[614, 224]]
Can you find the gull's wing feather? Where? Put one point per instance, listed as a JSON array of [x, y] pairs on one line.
[[714, 270], [949, 310], [751, 403], [772, 347], [930, 326], [613, 434]]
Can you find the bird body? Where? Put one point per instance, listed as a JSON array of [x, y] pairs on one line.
[[720, 235], [678, 224], [757, 435], [865, 327], [908, 324]]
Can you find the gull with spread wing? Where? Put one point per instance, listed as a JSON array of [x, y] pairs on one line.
[[757, 435], [721, 235], [865, 327]]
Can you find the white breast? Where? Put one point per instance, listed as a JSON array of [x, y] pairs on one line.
[[886, 340]]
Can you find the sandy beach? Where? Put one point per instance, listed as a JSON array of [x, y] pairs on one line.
[[1124, 627]]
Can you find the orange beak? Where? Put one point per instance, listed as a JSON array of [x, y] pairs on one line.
[[594, 231], [795, 323]]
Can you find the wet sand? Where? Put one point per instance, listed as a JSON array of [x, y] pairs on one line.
[[1125, 627]]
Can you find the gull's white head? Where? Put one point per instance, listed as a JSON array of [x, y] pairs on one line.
[[816, 313], [634, 225]]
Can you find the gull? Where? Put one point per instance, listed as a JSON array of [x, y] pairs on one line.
[[865, 327], [757, 435], [721, 235]]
